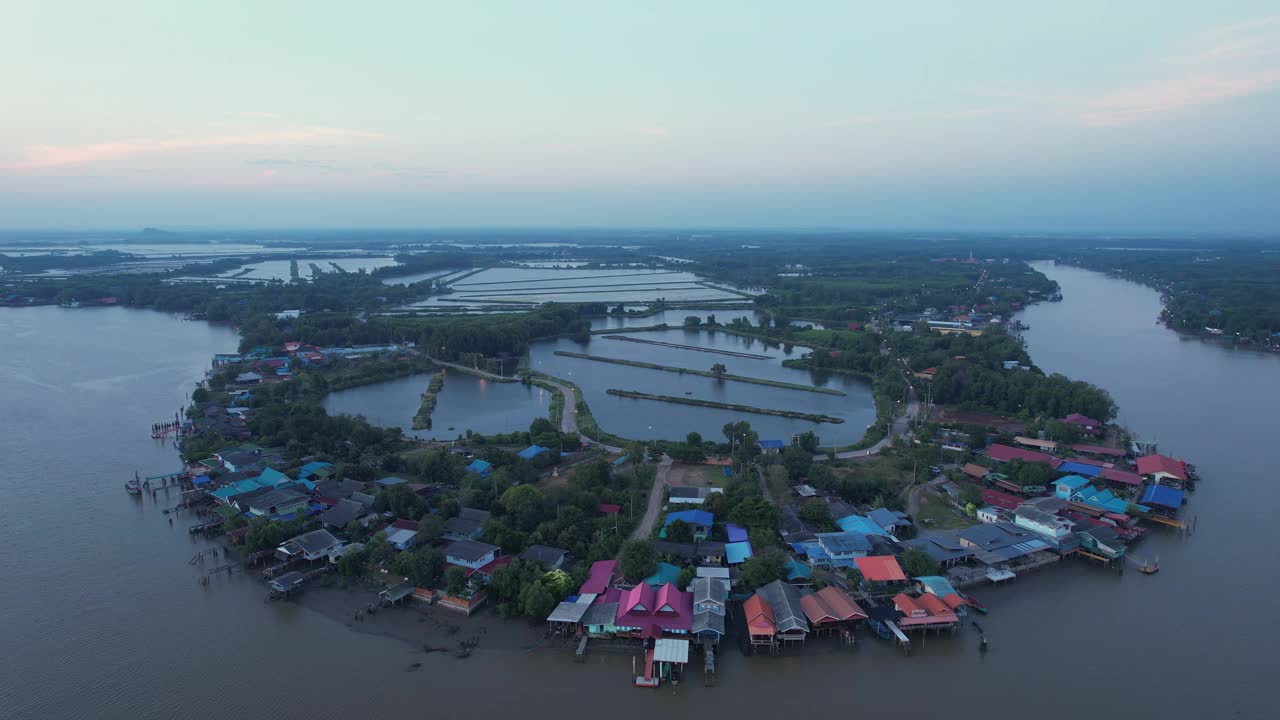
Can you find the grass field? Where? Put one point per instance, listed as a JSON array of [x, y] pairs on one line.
[[941, 515]]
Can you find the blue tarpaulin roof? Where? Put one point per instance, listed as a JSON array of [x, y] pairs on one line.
[[728, 471], [479, 467], [1080, 469], [1163, 496], [737, 552], [771, 444], [620, 461], [736, 533], [200, 480], [700, 518], [530, 452]]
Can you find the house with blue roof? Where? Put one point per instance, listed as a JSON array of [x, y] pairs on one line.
[[1089, 471], [317, 470], [1080, 490], [1065, 487], [531, 452], [840, 548], [798, 573], [736, 533], [861, 525], [700, 521], [1164, 497], [771, 447], [736, 553], [666, 573], [387, 482], [888, 519], [480, 467], [271, 478]]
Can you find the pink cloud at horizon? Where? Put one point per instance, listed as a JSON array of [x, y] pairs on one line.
[[46, 156]]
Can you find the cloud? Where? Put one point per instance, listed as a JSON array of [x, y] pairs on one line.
[[652, 131], [914, 115], [1213, 66], [1132, 105], [297, 163], [46, 156]]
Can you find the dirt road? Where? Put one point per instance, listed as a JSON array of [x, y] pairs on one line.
[[655, 501]]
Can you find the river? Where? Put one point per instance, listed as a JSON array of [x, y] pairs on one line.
[[100, 614]]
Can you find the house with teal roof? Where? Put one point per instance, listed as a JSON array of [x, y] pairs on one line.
[[317, 471], [666, 573]]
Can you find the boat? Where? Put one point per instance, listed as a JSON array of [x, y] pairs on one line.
[[1149, 568], [973, 603], [134, 486]]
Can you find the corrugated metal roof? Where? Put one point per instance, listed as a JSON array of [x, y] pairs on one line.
[[671, 650], [568, 612]]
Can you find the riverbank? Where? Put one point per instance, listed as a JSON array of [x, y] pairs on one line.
[[700, 373], [812, 417], [425, 631]]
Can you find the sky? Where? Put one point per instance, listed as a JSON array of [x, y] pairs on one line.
[[1086, 116]]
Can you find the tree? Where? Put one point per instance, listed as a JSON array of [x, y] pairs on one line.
[[638, 560], [686, 578], [679, 531], [755, 513], [818, 514], [352, 564], [762, 570], [455, 580], [559, 583], [916, 562], [692, 321], [693, 439], [524, 504], [536, 601], [797, 461], [970, 494], [421, 566], [719, 369], [809, 441], [541, 426]]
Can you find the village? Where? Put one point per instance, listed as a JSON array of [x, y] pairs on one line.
[[794, 562]]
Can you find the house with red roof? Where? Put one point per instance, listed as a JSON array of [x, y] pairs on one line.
[[1089, 425], [880, 569], [646, 611], [1099, 451], [1122, 477], [761, 626], [1163, 469], [925, 611], [602, 574], [927, 374], [1004, 453]]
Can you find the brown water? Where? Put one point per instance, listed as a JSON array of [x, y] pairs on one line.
[[100, 614]]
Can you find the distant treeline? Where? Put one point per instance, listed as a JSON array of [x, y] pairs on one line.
[[1228, 286]]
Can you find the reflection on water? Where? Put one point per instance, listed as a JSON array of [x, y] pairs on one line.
[[465, 403]]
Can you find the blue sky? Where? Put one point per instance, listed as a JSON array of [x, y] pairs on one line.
[[1133, 116]]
